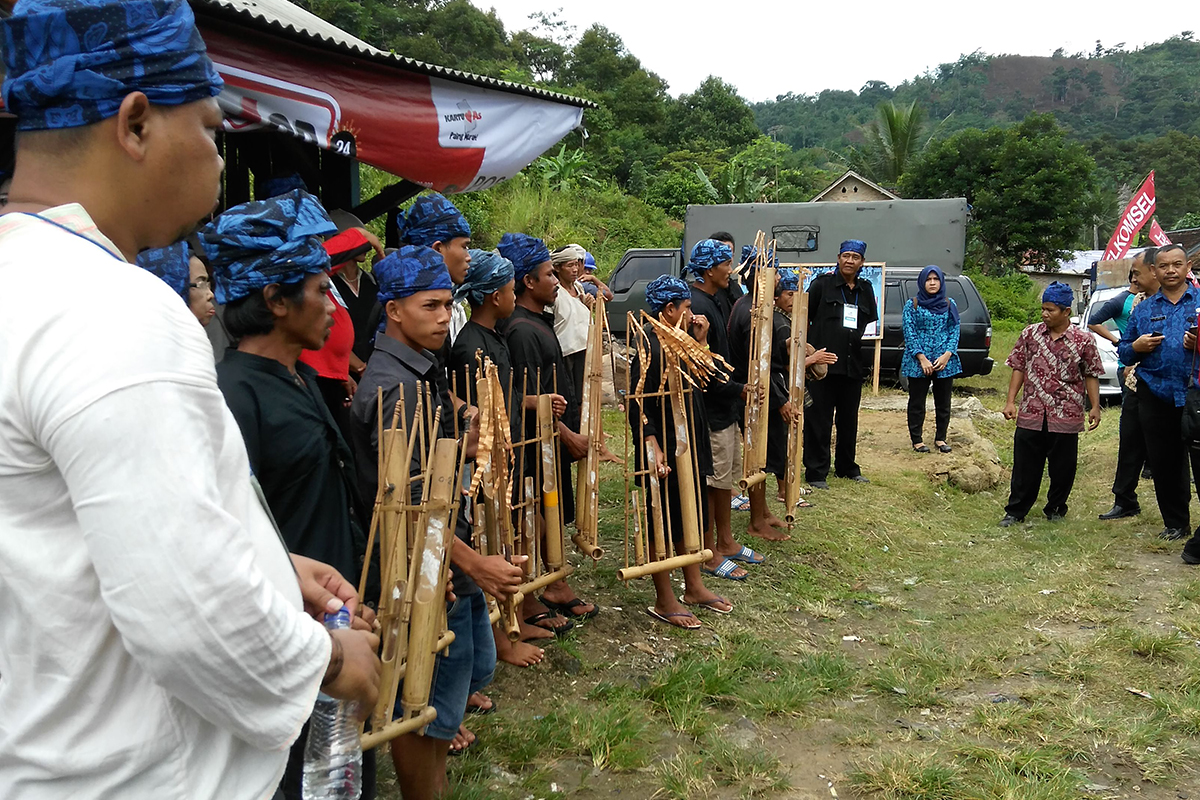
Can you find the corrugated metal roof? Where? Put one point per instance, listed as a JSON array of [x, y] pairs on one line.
[[286, 19]]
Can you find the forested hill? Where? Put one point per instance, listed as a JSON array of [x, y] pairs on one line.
[[1115, 93]]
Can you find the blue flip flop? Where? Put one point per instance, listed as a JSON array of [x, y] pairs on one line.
[[747, 556], [740, 503], [724, 571]]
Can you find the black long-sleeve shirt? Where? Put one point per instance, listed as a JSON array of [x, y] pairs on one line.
[[828, 295], [739, 346], [722, 399]]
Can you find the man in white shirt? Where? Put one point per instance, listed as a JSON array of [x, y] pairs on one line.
[[154, 642]]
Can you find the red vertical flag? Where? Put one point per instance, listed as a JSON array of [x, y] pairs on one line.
[[1157, 234], [1141, 208]]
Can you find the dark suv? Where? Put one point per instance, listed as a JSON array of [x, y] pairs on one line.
[[639, 267]]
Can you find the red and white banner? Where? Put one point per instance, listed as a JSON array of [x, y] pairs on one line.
[[1140, 208], [443, 134], [1157, 234]]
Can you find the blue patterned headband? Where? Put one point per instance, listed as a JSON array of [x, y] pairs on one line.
[[664, 290], [1059, 293], [524, 251], [789, 281], [411, 269], [853, 246], [433, 218], [278, 240], [170, 264], [70, 63], [707, 254], [487, 273]]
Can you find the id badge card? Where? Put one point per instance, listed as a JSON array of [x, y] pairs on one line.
[[850, 317]]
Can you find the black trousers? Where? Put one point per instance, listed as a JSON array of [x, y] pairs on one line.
[[1131, 452], [835, 400], [1032, 451], [918, 388], [1167, 455]]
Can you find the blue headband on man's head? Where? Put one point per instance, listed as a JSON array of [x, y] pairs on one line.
[[487, 273], [853, 246], [70, 63], [664, 290], [789, 281], [524, 251], [750, 256], [273, 187], [707, 254], [170, 264], [411, 269], [1060, 294], [278, 240], [433, 218]]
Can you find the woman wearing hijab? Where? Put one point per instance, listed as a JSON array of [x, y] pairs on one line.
[[930, 356]]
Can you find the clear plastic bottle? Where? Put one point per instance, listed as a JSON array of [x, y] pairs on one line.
[[333, 752]]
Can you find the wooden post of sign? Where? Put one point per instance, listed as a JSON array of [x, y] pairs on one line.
[[878, 353]]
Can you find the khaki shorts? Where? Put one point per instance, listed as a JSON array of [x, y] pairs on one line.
[[727, 458]]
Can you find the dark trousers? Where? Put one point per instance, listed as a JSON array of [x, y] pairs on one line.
[[1032, 451], [1167, 455], [1131, 452], [918, 388], [835, 399]]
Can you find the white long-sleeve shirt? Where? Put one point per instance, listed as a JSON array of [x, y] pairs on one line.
[[152, 638]]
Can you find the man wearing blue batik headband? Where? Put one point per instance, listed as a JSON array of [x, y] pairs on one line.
[[416, 290], [433, 221], [182, 653], [840, 307]]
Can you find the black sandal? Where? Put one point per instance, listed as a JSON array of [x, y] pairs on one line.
[[944, 448], [922, 449], [565, 608], [545, 615]]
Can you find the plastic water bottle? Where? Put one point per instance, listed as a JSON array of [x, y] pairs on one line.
[[333, 753]]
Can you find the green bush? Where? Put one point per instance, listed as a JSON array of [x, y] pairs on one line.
[[1011, 298]]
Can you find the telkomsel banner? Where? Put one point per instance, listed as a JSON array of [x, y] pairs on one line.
[[1140, 208], [1157, 234], [445, 135]]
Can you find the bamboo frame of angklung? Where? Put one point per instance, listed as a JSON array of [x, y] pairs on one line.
[[648, 534], [797, 355], [591, 423], [536, 506], [492, 517], [878, 340], [758, 378], [414, 540]]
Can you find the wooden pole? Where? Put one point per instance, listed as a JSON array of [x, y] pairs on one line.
[[797, 346], [551, 510]]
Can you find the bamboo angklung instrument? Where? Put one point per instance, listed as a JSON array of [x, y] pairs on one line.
[[797, 346], [754, 432], [685, 366], [591, 423]]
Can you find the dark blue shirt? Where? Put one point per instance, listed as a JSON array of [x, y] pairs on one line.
[[1168, 370]]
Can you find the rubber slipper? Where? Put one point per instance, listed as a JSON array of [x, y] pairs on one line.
[[545, 615], [747, 556], [725, 571], [804, 504], [565, 608], [740, 503], [709, 604], [666, 618]]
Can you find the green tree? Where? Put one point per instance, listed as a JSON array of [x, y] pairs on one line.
[[893, 139], [1028, 185], [715, 114], [565, 170], [674, 191]]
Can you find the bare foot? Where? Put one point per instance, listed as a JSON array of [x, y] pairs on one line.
[[462, 740], [774, 521], [520, 654], [560, 593], [671, 611], [480, 701], [707, 598], [718, 560], [768, 532]]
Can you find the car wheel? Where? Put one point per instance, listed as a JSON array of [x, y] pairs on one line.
[[903, 382]]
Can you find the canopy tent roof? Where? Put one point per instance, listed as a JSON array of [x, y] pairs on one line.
[[436, 127]]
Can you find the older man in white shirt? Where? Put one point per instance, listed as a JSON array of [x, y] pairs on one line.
[[154, 641]]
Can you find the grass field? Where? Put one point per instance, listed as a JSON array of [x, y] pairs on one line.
[[901, 646]]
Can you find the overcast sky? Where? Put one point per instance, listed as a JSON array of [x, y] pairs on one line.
[[770, 47]]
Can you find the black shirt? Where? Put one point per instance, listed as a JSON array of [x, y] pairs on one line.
[[660, 417], [392, 365], [536, 354], [722, 399], [360, 307], [304, 466], [739, 346], [828, 294]]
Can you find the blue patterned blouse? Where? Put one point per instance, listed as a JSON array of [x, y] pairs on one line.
[[930, 334]]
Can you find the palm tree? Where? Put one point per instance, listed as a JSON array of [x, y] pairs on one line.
[[892, 141]]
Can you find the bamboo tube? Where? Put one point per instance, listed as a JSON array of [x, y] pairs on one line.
[[551, 511], [428, 598], [684, 473], [654, 567], [545, 579], [639, 545], [752, 480], [529, 534], [656, 510], [797, 346], [592, 423], [398, 728]]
